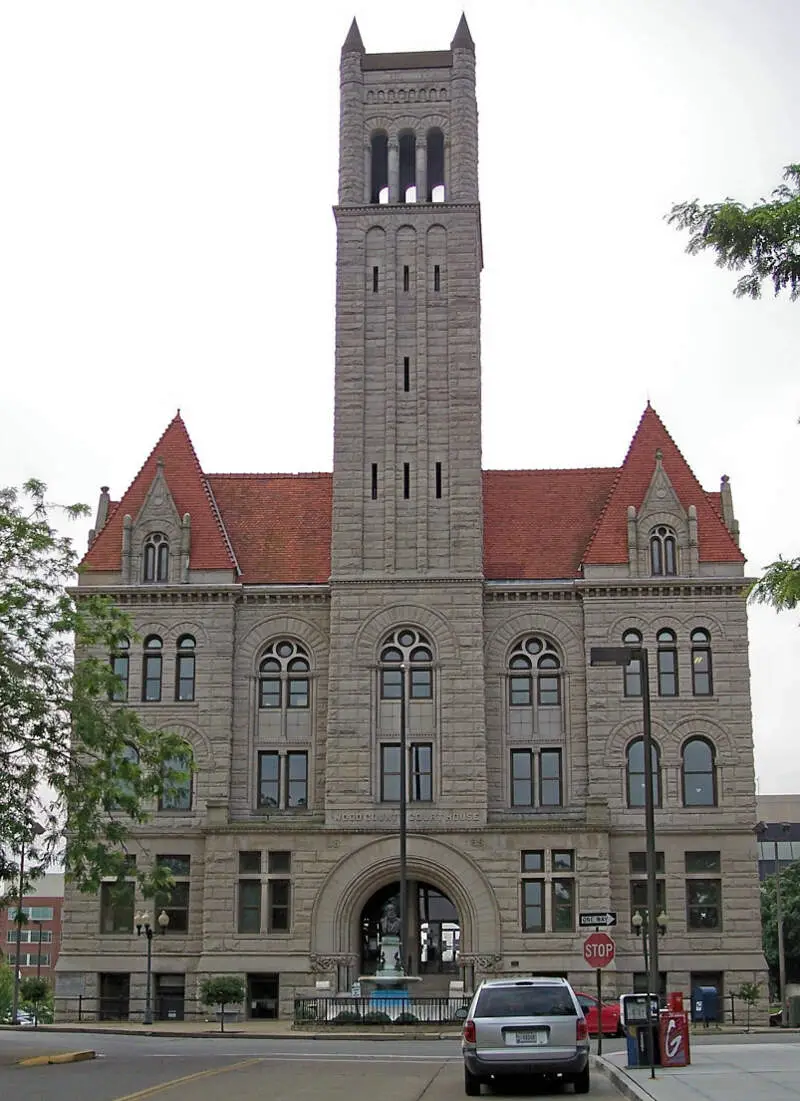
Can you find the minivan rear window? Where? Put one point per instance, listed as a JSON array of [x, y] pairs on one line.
[[525, 1001]]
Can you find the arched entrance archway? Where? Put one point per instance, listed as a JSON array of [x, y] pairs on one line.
[[336, 928], [434, 930]]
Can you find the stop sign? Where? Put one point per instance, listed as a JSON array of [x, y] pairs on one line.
[[598, 949]]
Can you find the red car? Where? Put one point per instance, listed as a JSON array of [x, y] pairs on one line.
[[609, 1015]]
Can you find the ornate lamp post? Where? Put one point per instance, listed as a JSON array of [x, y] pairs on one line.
[[640, 924], [145, 928]]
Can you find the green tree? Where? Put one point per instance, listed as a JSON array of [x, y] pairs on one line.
[[762, 240], [749, 993], [222, 990], [790, 907], [780, 585], [6, 989], [68, 753], [37, 997]]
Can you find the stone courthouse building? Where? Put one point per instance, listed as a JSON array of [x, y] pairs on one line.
[[287, 625]]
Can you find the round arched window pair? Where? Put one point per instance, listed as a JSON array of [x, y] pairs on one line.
[[534, 657], [407, 658], [284, 676]]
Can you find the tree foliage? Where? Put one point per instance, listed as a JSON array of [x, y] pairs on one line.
[[67, 752], [6, 989], [222, 990], [790, 907], [749, 993], [780, 585], [762, 240]]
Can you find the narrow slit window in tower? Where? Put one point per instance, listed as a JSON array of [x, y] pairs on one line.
[[406, 277], [438, 480], [406, 480], [406, 373], [437, 277], [374, 481], [435, 166], [379, 178], [408, 168], [375, 279]]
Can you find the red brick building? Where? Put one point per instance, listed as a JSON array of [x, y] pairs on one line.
[[43, 906]]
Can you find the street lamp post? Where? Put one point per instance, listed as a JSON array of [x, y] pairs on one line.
[[39, 952], [641, 924], [622, 656], [761, 829], [403, 823], [36, 829], [145, 928]]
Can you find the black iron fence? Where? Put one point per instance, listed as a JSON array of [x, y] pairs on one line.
[[166, 1007], [380, 1009]]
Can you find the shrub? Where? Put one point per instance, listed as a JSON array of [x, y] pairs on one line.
[[376, 1017], [347, 1017], [407, 1019]]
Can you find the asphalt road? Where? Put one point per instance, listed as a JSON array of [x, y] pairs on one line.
[[187, 1069]]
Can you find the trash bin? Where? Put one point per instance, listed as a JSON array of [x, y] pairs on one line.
[[794, 1011], [705, 1004]]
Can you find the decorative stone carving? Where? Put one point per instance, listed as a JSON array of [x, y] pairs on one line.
[[323, 964], [483, 961]]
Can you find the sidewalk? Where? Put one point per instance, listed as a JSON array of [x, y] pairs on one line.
[[248, 1029], [718, 1072]]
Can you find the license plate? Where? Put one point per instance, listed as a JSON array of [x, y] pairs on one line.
[[531, 1036]]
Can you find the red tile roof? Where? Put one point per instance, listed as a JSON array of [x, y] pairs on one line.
[[609, 543], [187, 484], [279, 525], [536, 523]]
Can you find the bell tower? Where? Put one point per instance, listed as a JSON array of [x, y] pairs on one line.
[[407, 499]]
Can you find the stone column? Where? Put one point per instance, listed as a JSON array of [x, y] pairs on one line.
[[367, 172], [422, 171], [394, 170]]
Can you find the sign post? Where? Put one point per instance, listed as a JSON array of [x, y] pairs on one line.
[[598, 951]]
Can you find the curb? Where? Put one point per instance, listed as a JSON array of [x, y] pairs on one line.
[[618, 1078], [64, 1057], [294, 1034]]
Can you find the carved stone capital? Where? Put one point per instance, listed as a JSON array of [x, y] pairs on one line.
[[483, 961], [323, 964]]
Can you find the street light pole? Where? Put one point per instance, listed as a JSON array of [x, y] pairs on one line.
[[403, 824], [39, 954], [145, 928], [15, 1002]]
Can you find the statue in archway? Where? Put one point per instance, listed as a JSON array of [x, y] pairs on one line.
[[390, 920]]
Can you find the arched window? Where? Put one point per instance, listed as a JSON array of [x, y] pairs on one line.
[[667, 663], [534, 657], [120, 665], [184, 669], [635, 774], [411, 648], [155, 560], [435, 160], [151, 669], [702, 681], [663, 552], [698, 774], [408, 167], [632, 673], [379, 168], [284, 676], [127, 767], [177, 790]]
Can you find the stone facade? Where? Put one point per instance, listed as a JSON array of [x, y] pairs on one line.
[[415, 545]]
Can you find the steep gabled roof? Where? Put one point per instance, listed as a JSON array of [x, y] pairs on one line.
[[536, 523], [279, 524], [609, 543], [210, 549]]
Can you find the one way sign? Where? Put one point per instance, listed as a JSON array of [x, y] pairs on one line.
[[594, 919]]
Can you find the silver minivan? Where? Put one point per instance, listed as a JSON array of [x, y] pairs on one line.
[[528, 1028]]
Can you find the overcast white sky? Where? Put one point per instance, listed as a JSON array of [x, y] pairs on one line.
[[166, 240]]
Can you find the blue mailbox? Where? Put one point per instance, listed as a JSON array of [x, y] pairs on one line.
[[705, 1004]]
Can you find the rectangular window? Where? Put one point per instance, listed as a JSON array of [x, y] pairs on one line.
[[548, 690], [270, 692], [563, 860], [667, 672], [298, 691], [120, 664], [438, 480], [638, 863], [278, 893], [532, 906], [151, 680], [269, 779], [519, 691], [374, 481], [296, 779], [32, 913], [406, 374], [406, 278], [639, 898], [375, 280], [437, 278], [421, 684], [563, 902], [632, 678], [32, 959], [390, 773], [391, 684], [116, 907], [177, 793], [249, 916], [184, 678], [279, 862], [703, 904], [550, 778], [522, 778], [701, 672], [702, 863], [250, 863], [533, 860], [406, 480], [175, 902], [29, 936], [421, 773]]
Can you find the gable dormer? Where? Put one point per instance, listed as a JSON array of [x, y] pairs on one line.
[[151, 542], [662, 534]]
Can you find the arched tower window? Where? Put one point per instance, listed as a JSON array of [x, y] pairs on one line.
[[635, 774], [185, 669], [379, 168], [698, 774], [284, 676], [632, 673], [667, 663], [408, 167], [155, 559], [702, 681], [177, 790], [534, 659], [663, 552], [435, 162], [151, 669], [120, 664], [411, 648]]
